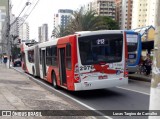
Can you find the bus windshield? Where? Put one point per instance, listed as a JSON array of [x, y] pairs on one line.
[[132, 42], [104, 48]]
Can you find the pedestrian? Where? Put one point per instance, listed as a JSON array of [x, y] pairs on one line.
[[5, 58], [141, 65], [148, 64]]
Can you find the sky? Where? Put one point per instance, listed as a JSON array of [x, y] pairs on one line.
[[44, 12]]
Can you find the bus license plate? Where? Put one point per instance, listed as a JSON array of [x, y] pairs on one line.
[[103, 77], [132, 56]]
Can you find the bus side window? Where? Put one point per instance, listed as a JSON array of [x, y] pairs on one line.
[[48, 56], [54, 55], [31, 56], [68, 56]]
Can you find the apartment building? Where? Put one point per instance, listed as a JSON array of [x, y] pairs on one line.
[[23, 29], [124, 13], [43, 33], [104, 7], [118, 10], [62, 17], [14, 28], [3, 22], [39, 34], [87, 6], [143, 13]]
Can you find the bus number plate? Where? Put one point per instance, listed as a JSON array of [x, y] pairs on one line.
[[131, 56], [103, 77]]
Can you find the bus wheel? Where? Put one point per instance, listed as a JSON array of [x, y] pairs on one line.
[[54, 81], [33, 70]]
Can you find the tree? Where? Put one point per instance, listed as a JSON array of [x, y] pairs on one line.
[[15, 51], [59, 31], [109, 23], [84, 21]]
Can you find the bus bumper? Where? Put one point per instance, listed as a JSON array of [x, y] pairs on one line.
[[100, 84], [133, 69]]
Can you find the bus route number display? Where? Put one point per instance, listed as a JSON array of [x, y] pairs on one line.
[[100, 41], [132, 38]]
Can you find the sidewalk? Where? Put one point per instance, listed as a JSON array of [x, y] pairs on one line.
[[140, 77], [17, 92]]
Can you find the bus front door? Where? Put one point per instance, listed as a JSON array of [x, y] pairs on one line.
[[62, 66], [44, 62]]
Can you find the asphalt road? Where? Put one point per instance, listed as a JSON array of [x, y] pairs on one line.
[[134, 96]]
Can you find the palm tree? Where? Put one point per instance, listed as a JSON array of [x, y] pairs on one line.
[[109, 23], [59, 31], [84, 21]]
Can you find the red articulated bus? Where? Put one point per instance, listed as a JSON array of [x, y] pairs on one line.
[[83, 61]]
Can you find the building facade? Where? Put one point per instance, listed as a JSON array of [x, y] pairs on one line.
[[14, 28], [118, 10], [23, 29], [39, 34], [43, 33], [104, 8], [124, 13], [62, 18], [143, 13], [4, 5], [88, 6]]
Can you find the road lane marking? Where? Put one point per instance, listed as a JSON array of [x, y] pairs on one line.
[[81, 103], [133, 90]]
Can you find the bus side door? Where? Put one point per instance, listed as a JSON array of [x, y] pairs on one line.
[[43, 63], [65, 64]]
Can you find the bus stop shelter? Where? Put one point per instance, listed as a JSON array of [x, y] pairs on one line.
[[148, 45]]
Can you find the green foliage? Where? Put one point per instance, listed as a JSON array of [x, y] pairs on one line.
[[109, 23], [59, 32], [15, 51]]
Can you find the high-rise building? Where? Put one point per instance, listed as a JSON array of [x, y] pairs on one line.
[[14, 28], [43, 33], [40, 34], [62, 17], [23, 29], [143, 13], [104, 7], [118, 4], [3, 22], [124, 13], [88, 6]]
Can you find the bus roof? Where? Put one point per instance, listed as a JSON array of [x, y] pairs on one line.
[[86, 33], [48, 43]]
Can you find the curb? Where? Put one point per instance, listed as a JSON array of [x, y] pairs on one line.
[[139, 78], [17, 70]]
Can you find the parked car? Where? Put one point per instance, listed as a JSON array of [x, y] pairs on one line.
[[17, 62]]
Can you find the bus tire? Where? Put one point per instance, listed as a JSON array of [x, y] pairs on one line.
[[54, 81], [33, 70]]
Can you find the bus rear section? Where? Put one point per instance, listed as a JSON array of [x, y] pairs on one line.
[[101, 60], [134, 50], [30, 60]]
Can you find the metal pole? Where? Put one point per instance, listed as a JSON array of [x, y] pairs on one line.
[[155, 85], [8, 35]]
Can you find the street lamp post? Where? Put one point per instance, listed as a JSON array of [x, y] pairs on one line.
[[9, 25]]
